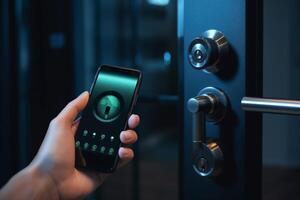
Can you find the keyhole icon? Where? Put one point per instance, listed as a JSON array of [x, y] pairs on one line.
[[107, 111], [107, 108]]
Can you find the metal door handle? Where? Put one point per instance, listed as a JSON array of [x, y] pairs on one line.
[[276, 106], [199, 106], [210, 104]]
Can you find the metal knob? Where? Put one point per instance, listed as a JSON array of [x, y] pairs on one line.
[[211, 104], [209, 51]]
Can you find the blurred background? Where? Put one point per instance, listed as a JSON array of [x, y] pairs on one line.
[[50, 51]]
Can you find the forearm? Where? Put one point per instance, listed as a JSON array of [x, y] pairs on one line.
[[29, 184]]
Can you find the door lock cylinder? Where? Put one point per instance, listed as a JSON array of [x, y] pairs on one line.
[[209, 51]]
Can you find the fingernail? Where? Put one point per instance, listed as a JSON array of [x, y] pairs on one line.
[[84, 93], [135, 115]]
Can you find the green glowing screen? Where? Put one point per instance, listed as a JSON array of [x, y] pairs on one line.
[[106, 115]]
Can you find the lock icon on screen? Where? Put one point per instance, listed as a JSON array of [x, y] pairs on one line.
[[107, 108]]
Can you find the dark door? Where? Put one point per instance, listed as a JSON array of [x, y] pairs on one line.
[[222, 56], [226, 152]]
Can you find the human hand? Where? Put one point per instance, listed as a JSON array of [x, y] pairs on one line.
[[56, 157]]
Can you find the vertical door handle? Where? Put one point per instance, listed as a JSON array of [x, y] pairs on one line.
[[276, 106], [199, 106], [210, 104]]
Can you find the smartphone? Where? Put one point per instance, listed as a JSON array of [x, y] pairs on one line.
[[112, 97]]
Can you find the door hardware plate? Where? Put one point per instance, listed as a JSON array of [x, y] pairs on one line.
[[220, 109]]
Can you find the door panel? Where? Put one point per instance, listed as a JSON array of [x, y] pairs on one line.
[[239, 134]]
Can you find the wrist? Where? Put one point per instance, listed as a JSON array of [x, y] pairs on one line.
[[44, 187], [30, 183]]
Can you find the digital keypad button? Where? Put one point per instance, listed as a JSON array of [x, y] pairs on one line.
[[86, 145], [77, 144], [94, 147], [112, 138], [102, 136], [85, 132], [111, 151], [102, 149]]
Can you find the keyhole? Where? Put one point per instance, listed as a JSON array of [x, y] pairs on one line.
[[198, 55], [203, 165], [107, 109]]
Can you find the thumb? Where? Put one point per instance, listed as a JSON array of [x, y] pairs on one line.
[[70, 112]]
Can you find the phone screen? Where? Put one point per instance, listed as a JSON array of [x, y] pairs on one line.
[[110, 104]]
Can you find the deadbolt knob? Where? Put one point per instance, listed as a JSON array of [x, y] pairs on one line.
[[209, 51]]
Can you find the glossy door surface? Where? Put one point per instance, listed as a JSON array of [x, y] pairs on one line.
[[239, 133]]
